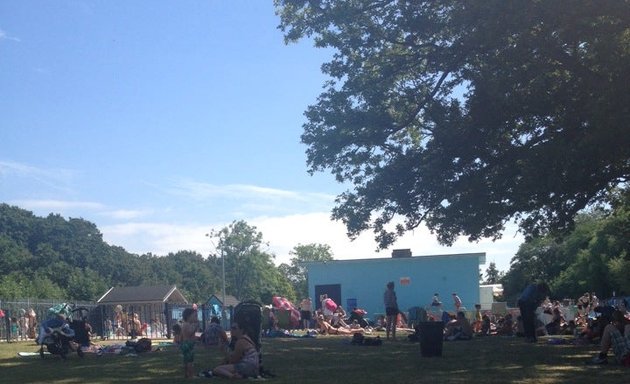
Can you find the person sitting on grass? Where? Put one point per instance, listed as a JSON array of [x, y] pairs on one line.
[[486, 325], [380, 323], [325, 328], [244, 361], [616, 335], [459, 329], [215, 336], [570, 328], [541, 329], [338, 318], [594, 329], [505, 326], [557, 322]]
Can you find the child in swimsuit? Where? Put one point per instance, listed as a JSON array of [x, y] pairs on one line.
[[188, 338]]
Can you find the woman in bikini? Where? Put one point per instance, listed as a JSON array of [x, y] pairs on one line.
[[243, 362], [324, 327]]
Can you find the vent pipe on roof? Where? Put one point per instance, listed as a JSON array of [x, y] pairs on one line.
[[398, 253]]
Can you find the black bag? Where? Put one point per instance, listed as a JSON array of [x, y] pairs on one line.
[[143, 345], [357, 339]]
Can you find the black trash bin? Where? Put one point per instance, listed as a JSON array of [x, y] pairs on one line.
[[431, 338]]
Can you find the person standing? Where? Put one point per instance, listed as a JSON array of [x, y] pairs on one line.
[[306, 310], [478, 318], [32, 323], [583, 304], [135, 326], [391, 310], [23, 324], [457, 302], [328, 306], [435, 302], [531, 297], [594, 301], [15, 329], [187, 347]]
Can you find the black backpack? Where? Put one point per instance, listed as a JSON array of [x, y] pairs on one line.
[[142, 345]]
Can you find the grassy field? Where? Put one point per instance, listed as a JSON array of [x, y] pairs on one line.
[[331, 359]]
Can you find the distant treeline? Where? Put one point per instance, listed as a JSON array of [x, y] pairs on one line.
[[57, 258], [593, 257]]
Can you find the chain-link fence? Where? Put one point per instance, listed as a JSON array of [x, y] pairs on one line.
[[20, 318]]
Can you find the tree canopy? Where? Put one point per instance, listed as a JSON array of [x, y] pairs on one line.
[[594, 257], [493, 275], [57, 258], [466, 115], [249, 270]]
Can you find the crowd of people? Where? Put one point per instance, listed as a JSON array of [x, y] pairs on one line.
[[125, 324], [20, 327], [329, 319], [587, 320], [240, 355]]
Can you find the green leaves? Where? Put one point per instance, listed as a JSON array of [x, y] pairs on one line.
[[592, 257], [249, 270], [466, 115]]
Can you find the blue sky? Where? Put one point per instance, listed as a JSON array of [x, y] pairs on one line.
[[162, 120]]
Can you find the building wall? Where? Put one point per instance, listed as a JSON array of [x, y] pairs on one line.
[[365, 280]]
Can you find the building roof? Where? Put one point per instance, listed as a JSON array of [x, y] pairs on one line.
[[230, 301], [143, 294], [480, 255]]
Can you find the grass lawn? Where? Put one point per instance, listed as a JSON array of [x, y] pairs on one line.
[[331, 359]]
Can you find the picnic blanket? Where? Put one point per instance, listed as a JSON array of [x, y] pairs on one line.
[[287, 334], [30, 354]]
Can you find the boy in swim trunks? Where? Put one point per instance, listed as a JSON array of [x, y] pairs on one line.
[[188, 338]]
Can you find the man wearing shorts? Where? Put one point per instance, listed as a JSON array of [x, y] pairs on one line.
[[391, 310], [306, 309]]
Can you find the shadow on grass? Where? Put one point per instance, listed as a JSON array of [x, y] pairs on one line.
[[332, 359], [485, 360]]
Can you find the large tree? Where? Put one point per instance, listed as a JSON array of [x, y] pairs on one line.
[[594, 257], [466, 115], [247, 265], [493, 275]]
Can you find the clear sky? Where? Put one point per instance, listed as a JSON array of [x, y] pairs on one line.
[[162, 120]]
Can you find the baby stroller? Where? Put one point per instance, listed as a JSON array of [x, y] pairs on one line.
[[250, 313], [57, 335], [358, 314], [80, 326]]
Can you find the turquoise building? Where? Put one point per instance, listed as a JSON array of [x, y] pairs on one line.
[[361, 283]]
